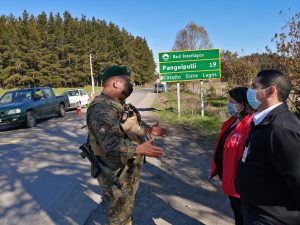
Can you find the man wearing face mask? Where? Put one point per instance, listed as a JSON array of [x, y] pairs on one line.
[[230, 145], [268, 177], [121, 139]]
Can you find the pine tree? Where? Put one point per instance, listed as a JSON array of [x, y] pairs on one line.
[[42, 50]]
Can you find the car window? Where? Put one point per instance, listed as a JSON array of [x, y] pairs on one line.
[[24, 95], [39, 94], [6, 98], [67, 93], [71, 93], [48, 92], [84, 92], [19, 96], [74, 93]]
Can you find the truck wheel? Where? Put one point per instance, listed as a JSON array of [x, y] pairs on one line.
[[30, 120], [61, 110]]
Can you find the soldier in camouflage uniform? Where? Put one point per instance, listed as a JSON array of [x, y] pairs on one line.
[[112, 142]]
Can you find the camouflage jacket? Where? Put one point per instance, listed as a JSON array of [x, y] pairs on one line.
[[103, 121]]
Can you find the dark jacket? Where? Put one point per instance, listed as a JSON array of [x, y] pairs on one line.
[[269, 178]]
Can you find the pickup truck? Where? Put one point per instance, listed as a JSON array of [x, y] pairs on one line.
[[26, 106]]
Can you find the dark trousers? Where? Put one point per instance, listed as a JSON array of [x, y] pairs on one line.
[[255, 216], [236, 206]]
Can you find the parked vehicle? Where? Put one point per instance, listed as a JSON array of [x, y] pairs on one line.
[[28, 105], [77, 97], [158, 88]]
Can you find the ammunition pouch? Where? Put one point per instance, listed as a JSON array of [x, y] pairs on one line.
[[131, 125], [95, 146], [98, 152]]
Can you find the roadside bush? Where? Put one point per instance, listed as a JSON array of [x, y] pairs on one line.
[[211, 91]]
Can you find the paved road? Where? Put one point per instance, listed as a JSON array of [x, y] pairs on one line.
[[43, 180], [42, 176]]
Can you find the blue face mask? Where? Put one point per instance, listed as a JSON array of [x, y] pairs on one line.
[[252, 100], [232, 109]]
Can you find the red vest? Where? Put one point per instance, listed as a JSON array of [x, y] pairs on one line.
[[233, 150]]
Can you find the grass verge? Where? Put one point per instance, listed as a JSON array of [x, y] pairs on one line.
[[208, 125]]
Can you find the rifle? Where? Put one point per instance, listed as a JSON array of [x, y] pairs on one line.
[[100, 166]]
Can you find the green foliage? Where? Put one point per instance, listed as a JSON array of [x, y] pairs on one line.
[[55, 49], [211, 91]]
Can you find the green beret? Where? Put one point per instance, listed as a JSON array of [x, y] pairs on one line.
[[115, 71]]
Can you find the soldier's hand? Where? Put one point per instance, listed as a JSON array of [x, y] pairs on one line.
[[148, 149], [156, 130]]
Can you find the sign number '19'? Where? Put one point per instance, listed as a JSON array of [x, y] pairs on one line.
[[212, 64]]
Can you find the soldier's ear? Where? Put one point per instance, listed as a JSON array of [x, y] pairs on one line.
[[115, 83]]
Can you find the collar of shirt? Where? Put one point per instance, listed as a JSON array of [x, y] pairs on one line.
[[259, 116]]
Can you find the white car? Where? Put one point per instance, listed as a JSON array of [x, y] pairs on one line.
[[77, 97]]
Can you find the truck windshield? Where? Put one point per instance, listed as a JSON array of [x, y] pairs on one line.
[[72, 93], [18, 96]]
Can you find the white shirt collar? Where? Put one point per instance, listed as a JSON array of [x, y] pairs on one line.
[[259, 116]]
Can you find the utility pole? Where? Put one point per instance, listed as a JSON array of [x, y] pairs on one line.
[[92, 77]]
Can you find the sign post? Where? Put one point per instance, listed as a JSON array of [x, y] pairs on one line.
[[178, 99], [202, 97], [192, 65]]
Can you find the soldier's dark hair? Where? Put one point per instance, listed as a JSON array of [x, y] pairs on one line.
[[239, 94], [276, 78]]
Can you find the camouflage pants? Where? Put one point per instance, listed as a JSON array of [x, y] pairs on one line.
[[120, 207]]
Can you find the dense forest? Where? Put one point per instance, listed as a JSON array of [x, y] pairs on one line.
[[54, 50]]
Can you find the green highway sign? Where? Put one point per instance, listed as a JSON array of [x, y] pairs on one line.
[[189, 65]]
